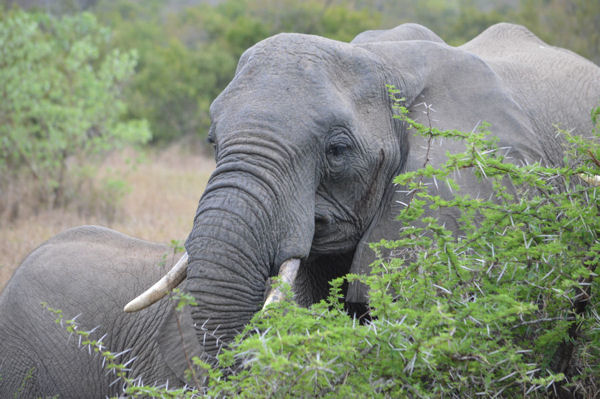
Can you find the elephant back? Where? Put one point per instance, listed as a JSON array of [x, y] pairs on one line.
[[554, 86]]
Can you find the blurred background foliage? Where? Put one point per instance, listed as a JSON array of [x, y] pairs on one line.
[[188, 49], [62, 106], [147, 70]]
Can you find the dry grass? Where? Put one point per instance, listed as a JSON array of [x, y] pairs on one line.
[[160, 206]]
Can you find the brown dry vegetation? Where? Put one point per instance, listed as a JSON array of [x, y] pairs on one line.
[[164, 189]]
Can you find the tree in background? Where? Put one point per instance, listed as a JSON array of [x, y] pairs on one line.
[[573, 24], [188, 50], [61, 103], [188, 54]]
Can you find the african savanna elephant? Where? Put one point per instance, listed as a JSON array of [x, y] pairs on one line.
[[306, 148]]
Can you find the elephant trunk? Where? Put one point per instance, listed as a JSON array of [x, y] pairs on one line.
[[239, 239]]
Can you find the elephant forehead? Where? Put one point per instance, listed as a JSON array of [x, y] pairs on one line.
[[286, 108], [304, 80], [312, 59], [293, 47], [279, 103]]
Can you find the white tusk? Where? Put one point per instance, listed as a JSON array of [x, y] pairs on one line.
[[287, 274], [161, 288], [593, 180]]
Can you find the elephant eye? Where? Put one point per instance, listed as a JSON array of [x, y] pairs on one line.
[[338, 149], [339, 145]]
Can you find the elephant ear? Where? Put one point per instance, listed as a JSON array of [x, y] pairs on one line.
[[461, 91], [177, 341]]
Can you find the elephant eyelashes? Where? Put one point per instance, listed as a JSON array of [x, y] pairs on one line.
[[338, 146], [337, 150]]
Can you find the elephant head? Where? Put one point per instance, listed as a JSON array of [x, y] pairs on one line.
[[307, 148]]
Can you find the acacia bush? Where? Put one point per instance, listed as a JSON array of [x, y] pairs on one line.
[[61, 104]]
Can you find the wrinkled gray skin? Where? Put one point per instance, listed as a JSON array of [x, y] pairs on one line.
[[92, 272], [306, 151]]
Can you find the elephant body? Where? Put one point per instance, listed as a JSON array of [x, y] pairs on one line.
[[88, 272], [306, 148]]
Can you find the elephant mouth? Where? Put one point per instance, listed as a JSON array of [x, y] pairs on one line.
[[330, 238], [333, 237]]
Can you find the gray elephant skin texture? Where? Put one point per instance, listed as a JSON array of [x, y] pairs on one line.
[[306, 148]]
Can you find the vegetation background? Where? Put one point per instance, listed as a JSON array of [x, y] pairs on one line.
[[103, 116]]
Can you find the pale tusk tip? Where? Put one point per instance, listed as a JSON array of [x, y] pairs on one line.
[[287, 274], [593, 180], [131, 307], [161, 288]]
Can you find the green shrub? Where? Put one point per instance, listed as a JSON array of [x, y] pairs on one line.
[[61, 100]]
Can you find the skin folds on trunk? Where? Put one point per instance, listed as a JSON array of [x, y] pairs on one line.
[[232, 248], [225, 276], [251, 218]]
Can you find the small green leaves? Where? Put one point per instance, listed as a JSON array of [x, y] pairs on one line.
[[62, 101], [182, 299], [177, 246]]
